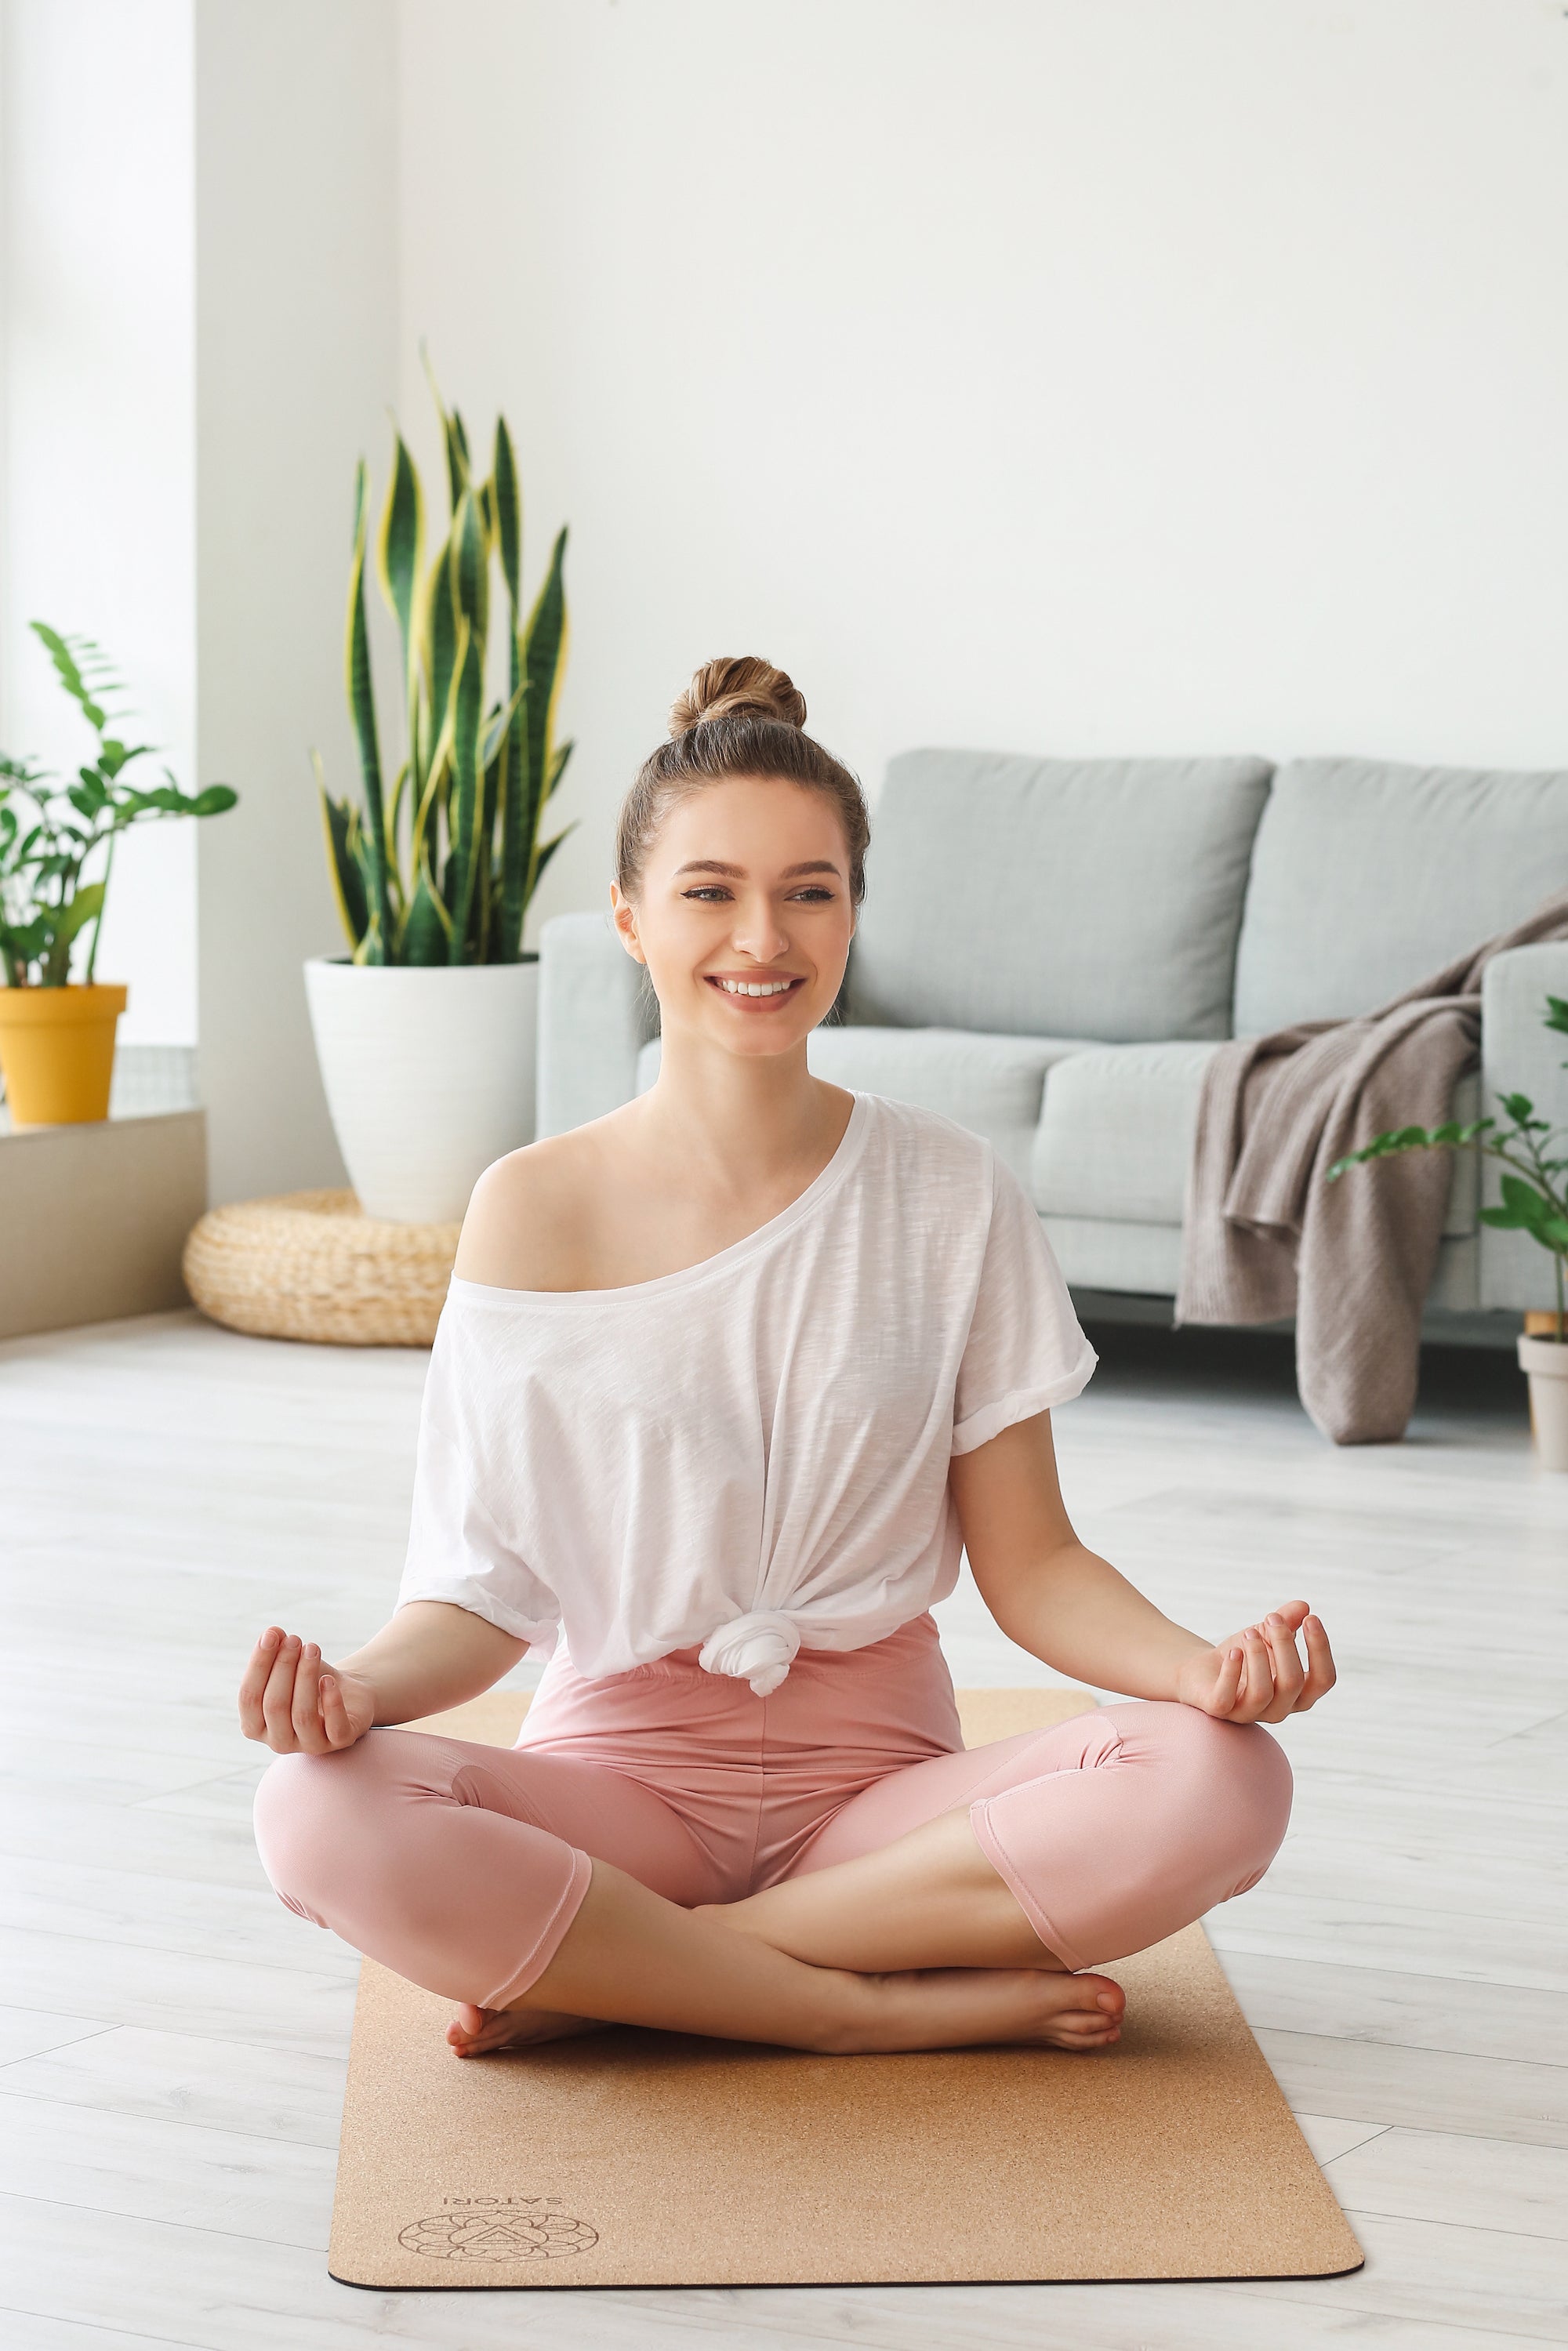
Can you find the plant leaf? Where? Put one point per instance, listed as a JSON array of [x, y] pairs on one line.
[[427, 928], [441, 629], [468, 704], [1526, 1209], [562, 753], [61, 653], [471, 569], [86, 902], [456, 440], [399, 551], [362, 711], [341, 823], [509, 514], [544, 664]]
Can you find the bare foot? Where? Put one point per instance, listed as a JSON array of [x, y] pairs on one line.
[[958, 2008], [475, 2032]]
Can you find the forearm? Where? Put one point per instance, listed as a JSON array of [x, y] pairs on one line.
[[1076, 1614], [430, 1656]]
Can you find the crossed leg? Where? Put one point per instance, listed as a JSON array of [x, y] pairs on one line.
[[939, 1909], [466, 1868]]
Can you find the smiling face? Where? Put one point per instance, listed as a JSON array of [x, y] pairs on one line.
[[744, 915]]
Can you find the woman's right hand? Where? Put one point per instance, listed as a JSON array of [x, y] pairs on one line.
[[296, 1706]]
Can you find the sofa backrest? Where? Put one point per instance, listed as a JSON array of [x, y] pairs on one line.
[[1367, 875], [1056, 897]]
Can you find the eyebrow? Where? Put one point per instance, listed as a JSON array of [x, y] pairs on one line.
[[737, 872]]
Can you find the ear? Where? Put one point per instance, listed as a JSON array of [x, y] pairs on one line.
[[625, 921]]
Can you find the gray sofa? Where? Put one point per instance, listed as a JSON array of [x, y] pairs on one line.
[[1050, 950]]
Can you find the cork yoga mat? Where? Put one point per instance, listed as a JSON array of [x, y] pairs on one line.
[[646, 2159]]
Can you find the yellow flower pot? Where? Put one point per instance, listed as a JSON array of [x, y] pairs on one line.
[[56, 1052]]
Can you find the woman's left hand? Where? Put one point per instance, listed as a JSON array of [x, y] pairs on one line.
[[1257, 1675]]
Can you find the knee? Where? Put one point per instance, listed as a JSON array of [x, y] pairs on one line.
[[306, 1817], [1234, 1779]]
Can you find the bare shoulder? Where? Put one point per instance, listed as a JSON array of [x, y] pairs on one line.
[[532, 1213]]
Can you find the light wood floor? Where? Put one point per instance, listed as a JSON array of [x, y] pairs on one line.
[[173, 2039]]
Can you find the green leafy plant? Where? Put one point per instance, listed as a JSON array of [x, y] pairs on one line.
[[1534, 1193], [52, 830], [440, 868]]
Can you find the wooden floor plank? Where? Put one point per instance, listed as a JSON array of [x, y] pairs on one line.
[[1486, 2097], [184, 2077], [1461, 2181], [26, 2032]]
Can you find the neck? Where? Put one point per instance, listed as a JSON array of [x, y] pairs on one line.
[[747, 1119]]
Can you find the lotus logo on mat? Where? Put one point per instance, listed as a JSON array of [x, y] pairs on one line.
[[497, 2229]]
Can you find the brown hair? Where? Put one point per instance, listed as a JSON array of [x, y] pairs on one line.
[[737, 717]]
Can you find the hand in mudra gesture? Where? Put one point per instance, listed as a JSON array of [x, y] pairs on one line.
[[296, 1706], [1257, 1675]]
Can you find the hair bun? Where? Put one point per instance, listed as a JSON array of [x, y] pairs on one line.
[[745, 685]]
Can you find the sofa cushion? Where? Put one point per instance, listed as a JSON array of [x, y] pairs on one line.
[[990, 1084], [1056, 897], [1367, 876], [1114, 1253], [1117, 1135], [1108, 1254]]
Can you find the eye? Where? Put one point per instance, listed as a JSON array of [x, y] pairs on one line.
[[707, 890], [817, 894]]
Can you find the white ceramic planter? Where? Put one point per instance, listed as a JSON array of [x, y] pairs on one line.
[[429, 1074], [1546, 1361]]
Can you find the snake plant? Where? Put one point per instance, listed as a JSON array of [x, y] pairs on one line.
[[440, 868]]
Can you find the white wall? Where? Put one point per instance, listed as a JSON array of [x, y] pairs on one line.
[[98, 394], [296, 209], [1078, 375]]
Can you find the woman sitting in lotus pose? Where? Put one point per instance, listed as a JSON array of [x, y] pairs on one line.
[[726, 1382]]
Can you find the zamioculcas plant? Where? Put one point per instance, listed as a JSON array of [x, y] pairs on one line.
[[52, 830], [1535, 1191], [440, 869]]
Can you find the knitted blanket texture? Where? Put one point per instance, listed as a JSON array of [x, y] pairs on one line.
[[1265, 1234]]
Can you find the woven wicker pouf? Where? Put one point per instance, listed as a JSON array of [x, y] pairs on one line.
[[311, 1265]]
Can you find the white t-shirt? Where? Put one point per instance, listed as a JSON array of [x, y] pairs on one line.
[[752, 1453]]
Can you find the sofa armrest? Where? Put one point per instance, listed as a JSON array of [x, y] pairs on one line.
[[1520, 1055], [596, 1013]]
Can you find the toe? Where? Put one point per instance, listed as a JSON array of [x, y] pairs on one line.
[[1099, 1992], [1098, 2036]]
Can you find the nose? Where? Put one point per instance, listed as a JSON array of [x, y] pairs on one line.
[[758, 929]]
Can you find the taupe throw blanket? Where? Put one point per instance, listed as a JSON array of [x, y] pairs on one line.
[[1266, 1235]]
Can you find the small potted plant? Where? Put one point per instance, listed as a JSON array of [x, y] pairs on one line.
[[1535, 1201], [425, 1030], [57, 1035]]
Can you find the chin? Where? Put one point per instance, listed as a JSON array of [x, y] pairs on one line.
[[769, 1048]]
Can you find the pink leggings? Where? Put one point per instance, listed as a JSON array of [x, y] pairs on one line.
[[461, 1866]]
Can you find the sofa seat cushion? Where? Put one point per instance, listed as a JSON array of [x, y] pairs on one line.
[[1366, 876], [1117, 1132], [1116, 1137], [1107, 1253], [1056, 897], [990, 1084]]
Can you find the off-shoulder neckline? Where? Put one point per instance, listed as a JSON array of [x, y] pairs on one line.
[[850, 1146]]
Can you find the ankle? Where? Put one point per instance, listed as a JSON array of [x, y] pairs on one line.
[[854, 2018]]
